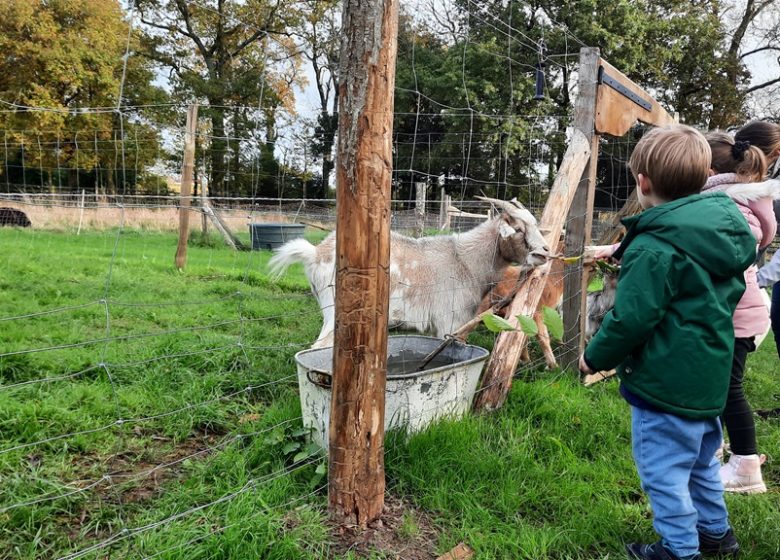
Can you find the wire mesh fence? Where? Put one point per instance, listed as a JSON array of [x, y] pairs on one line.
[[141, 407]]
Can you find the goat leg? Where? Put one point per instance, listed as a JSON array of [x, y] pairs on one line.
[[544, 342]]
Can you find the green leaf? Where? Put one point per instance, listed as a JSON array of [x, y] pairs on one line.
[[301, 432], [290, 447], [552, 320], [301, 456], [274, 438], [322, 468], [606, 267], [312, 448], [527, 325], [494, 323]]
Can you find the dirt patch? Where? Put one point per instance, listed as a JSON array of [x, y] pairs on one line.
[[140, 480], [403, 532], [136, 476]]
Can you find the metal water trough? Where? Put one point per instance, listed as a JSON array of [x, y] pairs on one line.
[[413, 399], [273, 235]]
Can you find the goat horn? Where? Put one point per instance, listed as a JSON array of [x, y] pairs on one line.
[[518, 204], [503, 204]]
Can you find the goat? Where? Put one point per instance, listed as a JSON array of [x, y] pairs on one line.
[[436, 283], [13, 217], [552, 296], [597, 303]]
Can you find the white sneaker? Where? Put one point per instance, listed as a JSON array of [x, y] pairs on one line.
[[742, 474]]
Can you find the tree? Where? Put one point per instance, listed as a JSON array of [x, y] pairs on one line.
[[320, 35], [238, 56], [755, 43], [58, 58], [466, 114]]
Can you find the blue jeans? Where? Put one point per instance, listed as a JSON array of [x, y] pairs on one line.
[[675, 458]]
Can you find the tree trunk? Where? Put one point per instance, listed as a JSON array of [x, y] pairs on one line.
[[218, 148]]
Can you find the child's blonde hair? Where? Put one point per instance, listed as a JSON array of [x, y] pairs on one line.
[[676, 159], [737, 156], [762, 134]]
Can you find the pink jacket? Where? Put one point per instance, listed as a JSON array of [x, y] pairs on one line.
[[754, 200]]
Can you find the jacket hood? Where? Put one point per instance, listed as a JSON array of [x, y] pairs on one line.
[[742, 192], [707, 227]]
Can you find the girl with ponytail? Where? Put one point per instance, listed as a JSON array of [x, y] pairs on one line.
[[739, 169], [766, 136]]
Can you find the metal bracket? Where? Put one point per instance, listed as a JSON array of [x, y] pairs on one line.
[[608, 80]]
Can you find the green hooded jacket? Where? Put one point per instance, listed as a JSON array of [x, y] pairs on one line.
[[670, 333]]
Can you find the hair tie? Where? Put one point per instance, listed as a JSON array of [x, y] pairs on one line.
[[739, 148]]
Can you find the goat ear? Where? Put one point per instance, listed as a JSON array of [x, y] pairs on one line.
[[505, 230]]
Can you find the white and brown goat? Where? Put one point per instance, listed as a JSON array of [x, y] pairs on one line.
[[598, 303], [436, 283]]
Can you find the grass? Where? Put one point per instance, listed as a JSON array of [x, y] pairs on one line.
[[199, 366]]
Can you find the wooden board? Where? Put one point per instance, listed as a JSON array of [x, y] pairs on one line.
[[616, 114]]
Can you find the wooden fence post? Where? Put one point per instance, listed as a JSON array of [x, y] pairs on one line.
[[356, 484], [580, 219], [186, 186], [419, 208], [81, 212]]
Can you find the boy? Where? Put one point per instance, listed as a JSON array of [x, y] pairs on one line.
[[671, 337]]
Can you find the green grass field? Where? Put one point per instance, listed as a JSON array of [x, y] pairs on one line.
[[181, 386]]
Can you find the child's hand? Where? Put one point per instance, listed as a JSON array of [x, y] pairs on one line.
[[584, 369], [601, 251]]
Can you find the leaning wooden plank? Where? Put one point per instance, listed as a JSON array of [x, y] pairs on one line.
[[593, 378], [229, 237], [509, 345], [460, 552]]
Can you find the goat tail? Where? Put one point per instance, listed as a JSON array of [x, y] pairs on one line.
[[295, 251]]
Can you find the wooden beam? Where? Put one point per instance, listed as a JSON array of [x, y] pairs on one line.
[[580, 219], [630, 208], [506, 353], [186, 187], [232, 241], [616, 113], [356, 474]]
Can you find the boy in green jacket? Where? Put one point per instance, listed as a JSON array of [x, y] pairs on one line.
[[670, 335]]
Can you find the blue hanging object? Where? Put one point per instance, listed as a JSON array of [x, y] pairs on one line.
[[539, 81], [539, 95]]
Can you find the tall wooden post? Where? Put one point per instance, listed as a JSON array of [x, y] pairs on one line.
[[580, 220], [419, 208], [363, 175], [186, 186]]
